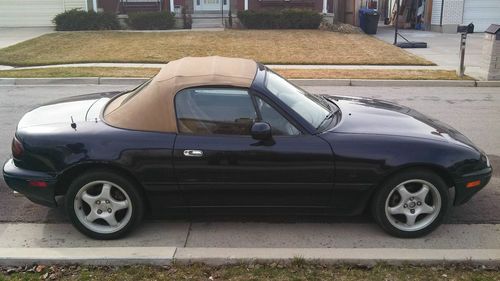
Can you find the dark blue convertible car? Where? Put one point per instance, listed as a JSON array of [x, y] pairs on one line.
[[229, 134]]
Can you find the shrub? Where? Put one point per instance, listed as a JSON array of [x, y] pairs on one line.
[[280, 19], [151, 20], [82, 20]]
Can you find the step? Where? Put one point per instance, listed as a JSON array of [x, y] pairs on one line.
[[208, 16], [207, 23]]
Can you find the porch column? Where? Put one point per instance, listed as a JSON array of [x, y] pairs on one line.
[[94, 5], [324, 7], [171, 6], [246, 5]]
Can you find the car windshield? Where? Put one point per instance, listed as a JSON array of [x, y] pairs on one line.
[[313, 109]]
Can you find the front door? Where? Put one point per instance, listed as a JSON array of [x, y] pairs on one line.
[[218, 163], [210, 5]]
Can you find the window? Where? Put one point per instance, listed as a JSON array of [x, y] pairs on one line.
[[279, 124], [205, 111], [311, 108]]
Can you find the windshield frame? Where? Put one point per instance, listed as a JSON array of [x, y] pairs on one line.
[[323, 102]]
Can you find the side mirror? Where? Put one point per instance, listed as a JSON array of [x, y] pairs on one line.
[[261, 131]]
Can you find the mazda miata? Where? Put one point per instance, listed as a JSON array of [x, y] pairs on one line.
[[229, 134]]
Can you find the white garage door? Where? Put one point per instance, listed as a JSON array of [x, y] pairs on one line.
[[24, 13], [482, 13]]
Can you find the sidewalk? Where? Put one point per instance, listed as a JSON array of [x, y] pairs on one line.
[[221, 242], [280, 66]]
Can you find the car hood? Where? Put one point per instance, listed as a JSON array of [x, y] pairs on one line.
[[372, 116], [67, 110]]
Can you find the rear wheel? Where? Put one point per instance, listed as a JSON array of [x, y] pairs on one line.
[[104, 205], [411, 204]]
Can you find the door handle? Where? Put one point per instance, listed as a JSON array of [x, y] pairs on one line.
[[193, 153]]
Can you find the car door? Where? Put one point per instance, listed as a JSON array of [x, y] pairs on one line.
[[218, 163]]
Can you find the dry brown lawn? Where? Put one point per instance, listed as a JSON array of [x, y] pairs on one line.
[[389, 74], [288, 73], [266, 46], [65, 72]]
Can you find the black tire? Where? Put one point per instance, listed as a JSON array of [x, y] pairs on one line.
[[378, 204], [125, 183]]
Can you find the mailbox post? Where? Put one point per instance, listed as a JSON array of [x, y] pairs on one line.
[[463, 30]]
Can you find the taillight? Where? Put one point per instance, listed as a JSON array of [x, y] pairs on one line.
[[17, 148]]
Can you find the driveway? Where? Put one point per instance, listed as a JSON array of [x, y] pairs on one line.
[[12, 35], [442, 48]]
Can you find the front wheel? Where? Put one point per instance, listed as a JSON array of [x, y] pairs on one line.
[[104, 205], [411, 204]]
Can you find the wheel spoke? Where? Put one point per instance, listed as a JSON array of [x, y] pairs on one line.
[[111, 220], [396, 210], [106, 191], [92, 216], [410, 219], [422, 193], [404, 193], [119, 205], [426, 209], [87, 198]]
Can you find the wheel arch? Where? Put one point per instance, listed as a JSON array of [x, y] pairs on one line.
[[66, 177], [438, 170]]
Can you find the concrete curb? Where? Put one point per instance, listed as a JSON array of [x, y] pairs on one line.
[[488, 83], [87, 256], [218, 256], [413, 83], [300, 82]]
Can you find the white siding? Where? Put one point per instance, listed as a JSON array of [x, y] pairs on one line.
[[436, 12], [75, 4], [482, 13], [25, 13]]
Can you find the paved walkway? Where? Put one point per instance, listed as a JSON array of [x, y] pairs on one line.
[[442, 48], [252, 235], [275, 66]]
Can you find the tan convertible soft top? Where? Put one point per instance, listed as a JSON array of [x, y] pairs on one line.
[[152, 108]]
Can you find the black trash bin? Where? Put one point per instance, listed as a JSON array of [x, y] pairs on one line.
[[368, 20]]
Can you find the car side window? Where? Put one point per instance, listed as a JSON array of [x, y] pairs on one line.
[[280, 126], [206, 111]]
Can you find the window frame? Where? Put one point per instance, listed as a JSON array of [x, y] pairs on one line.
[[280, 111], [252, 94]]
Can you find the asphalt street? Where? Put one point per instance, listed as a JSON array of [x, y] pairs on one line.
[[473, 111]]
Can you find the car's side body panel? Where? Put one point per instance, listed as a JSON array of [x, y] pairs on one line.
[[240, 171], [146, 156]]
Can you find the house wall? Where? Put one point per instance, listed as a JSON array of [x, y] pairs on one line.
[[109, 6], [28, 13], [454, 14]]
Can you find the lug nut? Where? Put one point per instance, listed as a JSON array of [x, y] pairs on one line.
[[405, 206], [107, 201], [99, 211], [412, 211], [411, 198], [98, 202], [109, 210], [419, 203]]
